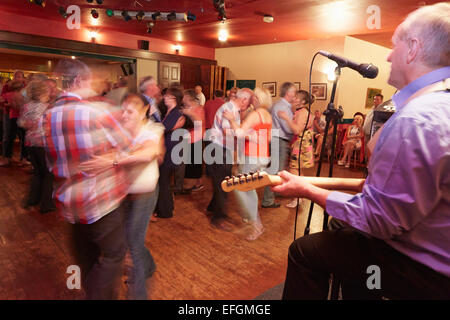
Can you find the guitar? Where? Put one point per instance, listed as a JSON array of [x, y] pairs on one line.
[[259, 179]]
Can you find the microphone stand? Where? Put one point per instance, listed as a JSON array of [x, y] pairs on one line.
[[331, 114]]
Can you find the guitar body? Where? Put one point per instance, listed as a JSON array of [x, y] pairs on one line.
[[255, 180]]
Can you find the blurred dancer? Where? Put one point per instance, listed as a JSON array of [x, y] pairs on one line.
[[76, 131]]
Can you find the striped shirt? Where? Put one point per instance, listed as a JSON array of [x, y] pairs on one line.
[[221, 126], [75, 132]]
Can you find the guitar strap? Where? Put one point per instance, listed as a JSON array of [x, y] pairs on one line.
[[443, 85]]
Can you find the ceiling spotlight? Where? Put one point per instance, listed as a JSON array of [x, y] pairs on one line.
[[171, 16], [109, 12], [190, 16], [40, 3], [268, 18], [62, 12], [150, 26], [219, 5], [89, 1], [94, 14], [156, 15], [140, 15], [99, 1], [126, 16], [223, 35]]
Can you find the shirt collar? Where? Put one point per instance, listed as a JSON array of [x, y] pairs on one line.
[[401, 97], [150, 99], [71, 94]]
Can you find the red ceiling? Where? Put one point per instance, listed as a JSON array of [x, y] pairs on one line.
[[293, 19]]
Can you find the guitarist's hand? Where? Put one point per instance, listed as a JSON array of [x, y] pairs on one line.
[[292, 185], [296, 186]]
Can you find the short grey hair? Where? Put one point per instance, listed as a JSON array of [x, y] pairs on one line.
[[144, 82], [431, 25], [244, 93]]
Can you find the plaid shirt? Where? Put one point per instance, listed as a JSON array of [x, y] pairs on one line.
[[74, 132]]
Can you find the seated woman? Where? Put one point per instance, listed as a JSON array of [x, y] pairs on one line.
[[297, 125], [354, 135], [257, 126]]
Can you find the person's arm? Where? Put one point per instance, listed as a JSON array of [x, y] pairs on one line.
[[296, 186], [180, 123], [294, 124]]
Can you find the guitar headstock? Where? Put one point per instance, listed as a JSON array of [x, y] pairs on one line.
[[248, 181]]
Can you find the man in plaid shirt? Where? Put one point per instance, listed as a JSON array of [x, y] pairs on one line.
[[77, 131]]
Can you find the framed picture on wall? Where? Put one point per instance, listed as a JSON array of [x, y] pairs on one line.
[[319, 90], [271, 86], [371, 92], [297, 85]]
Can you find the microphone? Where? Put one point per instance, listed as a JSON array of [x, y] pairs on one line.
[[366, 70]]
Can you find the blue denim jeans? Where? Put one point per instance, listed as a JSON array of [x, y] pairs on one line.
[[279, 159], [248, 200], [138, 208]]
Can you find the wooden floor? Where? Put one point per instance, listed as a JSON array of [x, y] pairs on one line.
[[193, 260]]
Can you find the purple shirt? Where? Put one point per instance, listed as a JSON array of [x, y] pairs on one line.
[[406, 198]]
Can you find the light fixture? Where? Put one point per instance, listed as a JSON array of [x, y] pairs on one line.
[[190, 16], [126, 16], [99, 1], [171, 16], [156, 15], [73, 57], [219, 5], [109, 12], [140, 15], [40, 3], [177, 48], [150, 26], [89, 1], [94, 14], [268, 18], [93, 35], [223, 35], [62, 12]]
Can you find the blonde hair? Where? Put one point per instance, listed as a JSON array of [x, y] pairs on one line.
[[264, 97], [36, 89]]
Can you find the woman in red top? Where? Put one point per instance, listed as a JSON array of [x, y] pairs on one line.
[[256, 127], [194, 111]]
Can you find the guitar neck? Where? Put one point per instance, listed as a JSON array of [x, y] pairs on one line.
[[345, 184], [255, 180]]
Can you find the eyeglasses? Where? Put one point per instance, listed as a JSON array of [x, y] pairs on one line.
[[169, 97]]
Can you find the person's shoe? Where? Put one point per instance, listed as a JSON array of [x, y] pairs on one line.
[[273, 205], [197, 188], [221, 226], [255, 233], [293, 203], [5, 162], [347, 165], [153, 218], [340, 163]]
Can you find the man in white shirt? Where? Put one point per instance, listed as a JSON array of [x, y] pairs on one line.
[[222, 145], [200, 95]]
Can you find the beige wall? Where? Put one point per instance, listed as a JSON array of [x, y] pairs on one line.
[[146, 68], [352, 86], [280, 62], [290, 61]]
